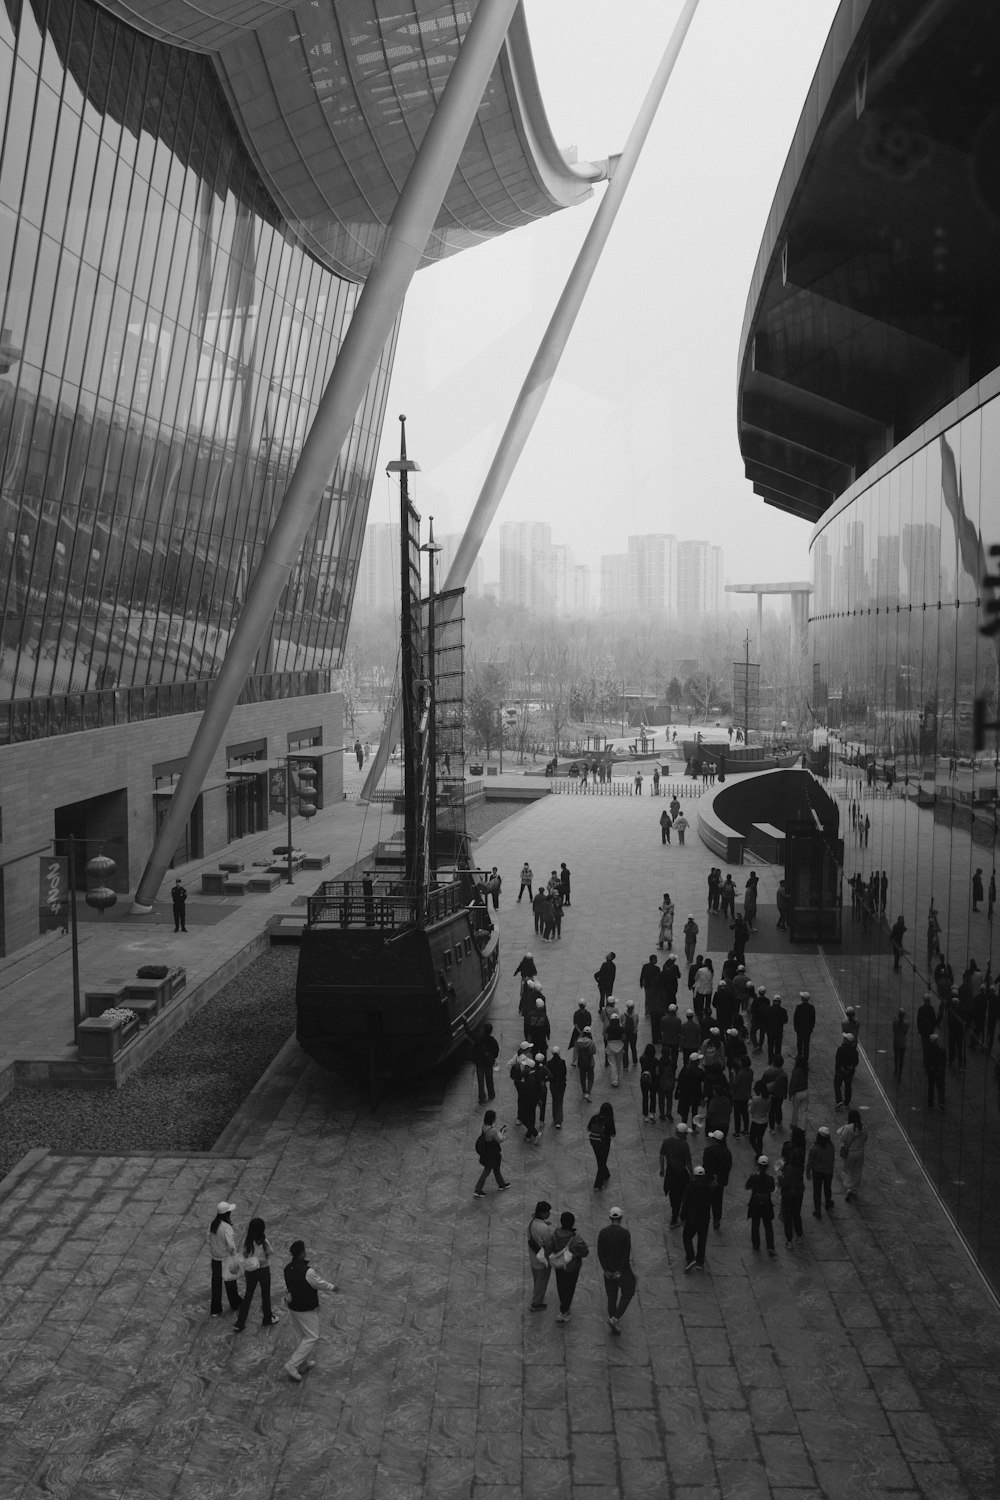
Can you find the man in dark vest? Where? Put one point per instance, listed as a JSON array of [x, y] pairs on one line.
[[178, 899], [304, 1286]]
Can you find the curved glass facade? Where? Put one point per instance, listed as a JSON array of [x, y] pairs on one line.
[[898, 575], [164, 343]]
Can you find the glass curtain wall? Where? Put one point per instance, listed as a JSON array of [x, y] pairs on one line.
[[164, 344], [900, 662]]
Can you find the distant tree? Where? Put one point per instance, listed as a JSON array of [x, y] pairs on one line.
[[483, 699]]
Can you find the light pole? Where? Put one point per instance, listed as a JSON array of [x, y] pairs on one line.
[[307, 807], [99, 896]]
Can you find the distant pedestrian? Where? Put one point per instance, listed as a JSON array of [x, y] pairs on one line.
[[614, 1251], [485, 1051], [605, 977], [820, 1163], [489, 1149], [630, 1028], [359, 753], [845, 1063], [900, 1027], [526, 878], [638, 783], [564, 883], [896, 934], [675, 1169], [666, 931], [648, 1066], [690, 938], [977, 889], [569, 1250], [303, 1288], [793, 1185], [853, 1140], [666, 823], [760, 1204], [803, 1024], [586, 1054], [178, 900], [798, 1093], [541, 1239], [225, 1265], [936, 1068], [696, 1215], [538, 908], [556, 1066], [257, 1254], [601, 1131]]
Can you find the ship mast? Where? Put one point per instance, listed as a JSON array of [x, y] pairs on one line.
[[414, 789], [429, 767]]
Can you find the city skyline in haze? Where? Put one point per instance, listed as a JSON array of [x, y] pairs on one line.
[[638, 432]]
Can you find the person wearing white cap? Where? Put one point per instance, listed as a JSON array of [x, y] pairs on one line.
[[614, 1040], [225, 1265], [614, 1251], [696, 1214], [717, 1159], [630, 1026], [760, 1205]]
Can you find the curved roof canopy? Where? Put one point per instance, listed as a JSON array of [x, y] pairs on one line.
[[334, 96], [876, 296]]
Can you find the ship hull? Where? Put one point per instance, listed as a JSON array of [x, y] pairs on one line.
[[391, 1007]]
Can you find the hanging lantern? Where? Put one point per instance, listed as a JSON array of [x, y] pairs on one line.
[[100, 896], [307, 807]]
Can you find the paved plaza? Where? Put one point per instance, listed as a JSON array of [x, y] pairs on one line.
[[862, 1364]]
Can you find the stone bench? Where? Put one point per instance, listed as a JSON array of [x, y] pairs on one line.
[[235, 885], [259, 884], [213, 883], [315, 861], [101, 997], [157, 990], [231, 866]]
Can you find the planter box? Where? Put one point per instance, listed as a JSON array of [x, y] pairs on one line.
[[102, 997], [263, 883], [232, 866], [177, 980], [213, 883], [100, 1039], [148, 989], [235, 885], [146, 1009], [315, 861]]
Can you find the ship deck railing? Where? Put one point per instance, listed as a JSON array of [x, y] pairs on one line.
[[386, 904]]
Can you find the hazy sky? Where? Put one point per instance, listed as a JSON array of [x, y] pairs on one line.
[[638, 432]]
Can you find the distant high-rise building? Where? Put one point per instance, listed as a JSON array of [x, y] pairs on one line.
[[614, 583], [525, 564], [378, 574], [699, 578], [652, 574]]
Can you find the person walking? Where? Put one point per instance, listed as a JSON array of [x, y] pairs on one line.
[[485, 1051], [526, 879], [666, 1078], [760, 1109], [798, 1094], [896, 934], [614, 1251], [750, 899], [936, 1068], [845, 1063], [303, 1288], [760, 1204], [803, 1024], [717, 1159], [557, 1085], [977, 888], [819, 1170], [630, 1032], [740, 1088], [538, 909], [675, 1169], [666, 823], [586, 1054], [601, 1131], [178, 900], [564, 883], [900, 1027], [489, 1149], [727, 897], [690, 938], [665, 937], [648, 1066], [793, 1185], [257, 1254], [853, 1140], [359, 753], [775, 1079], [638, 783], [541, 1237], [225, 1265], [605, 977], [569, 1250], [681, 825], [696, 1215]]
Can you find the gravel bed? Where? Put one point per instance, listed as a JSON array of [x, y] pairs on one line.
[[483, 816], [185, 1096]]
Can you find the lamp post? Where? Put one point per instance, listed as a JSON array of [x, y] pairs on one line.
[[307, 807], [100, 896]]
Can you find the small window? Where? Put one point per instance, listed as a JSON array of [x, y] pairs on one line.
[[468, 945], [447, 958], [458, 952]]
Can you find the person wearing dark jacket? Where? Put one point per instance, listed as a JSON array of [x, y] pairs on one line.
[[538, 908], [568, 1252], [741, 1085], [303, 1287], [936, 1067], [614, 1251], [605, 977], [485, 1051], [741, 936], [775, 1080], [666, 1078], [675, 1169], [900, 1027], [928, 1018], [648, 1067], [717, 1160], [601, 1130], [690, 1081], [696, 1215], [690, 1036], [670, 1033], [759, 1007], [564, 883], [819, 1169], [844, 1063], [557, 1085], [760, 1205], [803, 1024], [774, 1028], [793, 1184]]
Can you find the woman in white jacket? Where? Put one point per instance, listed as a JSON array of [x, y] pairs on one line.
[[225, 1266]]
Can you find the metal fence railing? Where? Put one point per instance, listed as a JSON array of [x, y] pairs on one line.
[[572, 786]]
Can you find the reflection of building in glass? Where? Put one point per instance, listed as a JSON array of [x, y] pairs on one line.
[[870, 405], [189, 204]]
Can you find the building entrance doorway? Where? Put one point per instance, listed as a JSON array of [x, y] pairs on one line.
[[246, 805], [99, 823]]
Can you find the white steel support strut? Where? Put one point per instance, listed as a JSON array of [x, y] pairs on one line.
[[377, 309], [546, 361]]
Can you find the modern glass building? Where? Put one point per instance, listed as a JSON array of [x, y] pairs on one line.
[[189, 205], [869, 403]]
